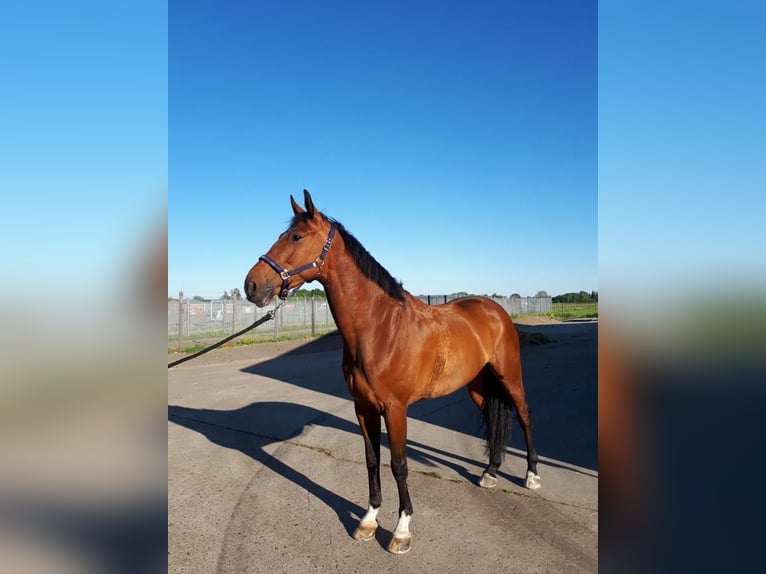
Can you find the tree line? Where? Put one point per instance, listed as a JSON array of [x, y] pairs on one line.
[[580, 297]]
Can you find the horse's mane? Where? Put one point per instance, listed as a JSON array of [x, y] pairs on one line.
[[366, 263]]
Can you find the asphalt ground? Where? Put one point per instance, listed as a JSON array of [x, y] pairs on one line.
[[266, 467]]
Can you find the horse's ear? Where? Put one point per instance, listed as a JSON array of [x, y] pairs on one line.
[[310, 209], [296, 208]]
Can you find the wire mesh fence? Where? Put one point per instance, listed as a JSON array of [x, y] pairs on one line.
[[192, 321], [513, 305]]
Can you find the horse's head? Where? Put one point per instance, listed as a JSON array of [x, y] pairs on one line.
[[297, 256]]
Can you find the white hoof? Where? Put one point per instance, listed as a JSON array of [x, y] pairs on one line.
[[365, 531], [402, 540], [487, 481], [400, 545], [533, 481], [367, 525]]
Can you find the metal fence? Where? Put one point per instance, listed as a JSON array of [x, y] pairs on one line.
[[192, 320], [513, 305]]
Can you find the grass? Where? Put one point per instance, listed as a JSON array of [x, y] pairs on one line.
[[259, 332], [319, 449], [188, 350], [430, 473], [565, 311], [209, 339]]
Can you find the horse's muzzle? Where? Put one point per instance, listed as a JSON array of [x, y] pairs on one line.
[[261, 294]]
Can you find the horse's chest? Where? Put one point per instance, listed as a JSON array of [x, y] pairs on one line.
[[366, 383], [360, 388]]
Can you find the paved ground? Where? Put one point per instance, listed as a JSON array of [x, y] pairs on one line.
[[266, 468]]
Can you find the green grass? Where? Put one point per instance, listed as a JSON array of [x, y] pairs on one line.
[[574, 310], [431, 473], [259, 332], [206, 341], [188, 350]]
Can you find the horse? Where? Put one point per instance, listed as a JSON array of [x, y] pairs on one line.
[[397, 350]]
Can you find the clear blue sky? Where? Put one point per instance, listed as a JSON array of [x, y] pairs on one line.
[[457, 141], [682, 149], [469, 131], [83, 145]]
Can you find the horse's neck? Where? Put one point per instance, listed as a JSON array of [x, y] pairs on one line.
[[351, 297]]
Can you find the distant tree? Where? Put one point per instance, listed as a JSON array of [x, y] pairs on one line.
[[235, 293], [198, 298], [541, 294], [309, 293], [225, 295], [580, 297], [515, 296]]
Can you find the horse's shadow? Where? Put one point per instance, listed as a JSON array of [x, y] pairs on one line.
[[561, 392], [251, 428]]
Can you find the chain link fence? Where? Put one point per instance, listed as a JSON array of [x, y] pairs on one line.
[[513, 305], [192, 321]]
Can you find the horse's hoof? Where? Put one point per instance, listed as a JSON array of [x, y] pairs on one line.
[[400, 545], [533, 480], [365, 531], [488, 481]]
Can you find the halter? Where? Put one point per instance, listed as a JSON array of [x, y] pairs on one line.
[[286, 275]]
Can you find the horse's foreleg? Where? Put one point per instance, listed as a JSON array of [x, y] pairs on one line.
[[396, 426], [369, 423]]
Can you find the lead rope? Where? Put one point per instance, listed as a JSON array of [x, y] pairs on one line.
[[267, 317]]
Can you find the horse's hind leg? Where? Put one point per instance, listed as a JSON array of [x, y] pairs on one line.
[[507, 370], [486, 392], [369, 424]]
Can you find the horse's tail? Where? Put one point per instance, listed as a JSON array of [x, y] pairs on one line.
[[497, 418]]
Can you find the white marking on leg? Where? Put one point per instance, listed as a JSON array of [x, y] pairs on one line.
[[403, 526], [533, 480], [401, 541], [371, 516], [487, 481], [367, 525]]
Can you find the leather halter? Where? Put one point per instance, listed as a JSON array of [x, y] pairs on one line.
[[286, 275]]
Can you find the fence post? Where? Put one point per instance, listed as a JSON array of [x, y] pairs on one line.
[[313, 320], [180, 319], [234, 312]]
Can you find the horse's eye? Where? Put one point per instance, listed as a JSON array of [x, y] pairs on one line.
[[296, 237]]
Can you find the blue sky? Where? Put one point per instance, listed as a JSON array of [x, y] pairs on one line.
[[458, 142], [83, 145], [682, 149]]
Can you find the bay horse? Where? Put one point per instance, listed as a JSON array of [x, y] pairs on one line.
[[398, 350]]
